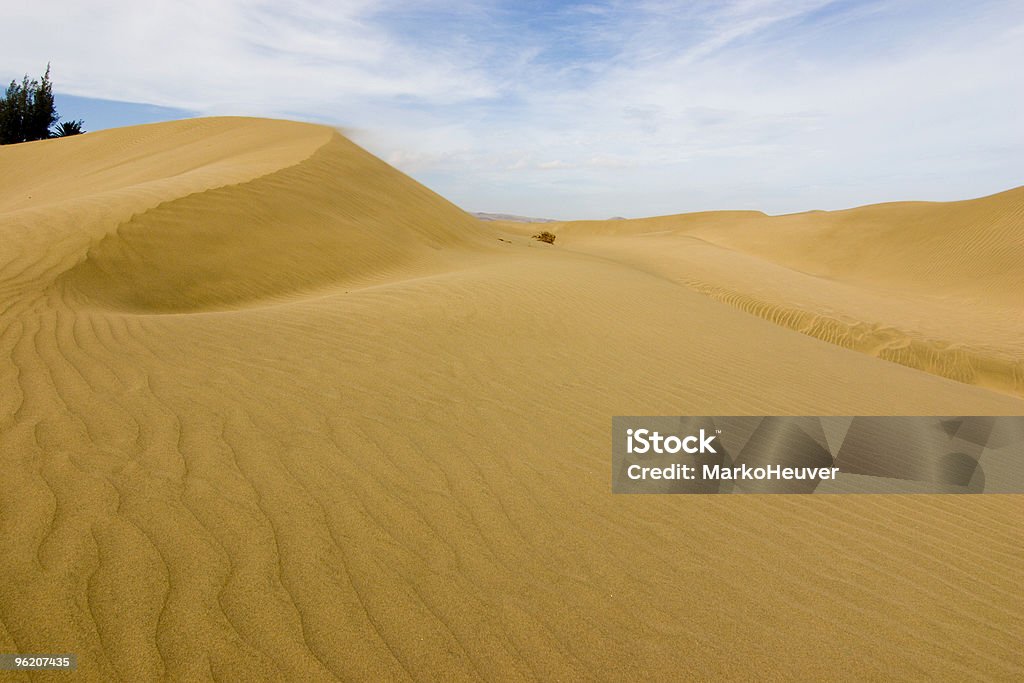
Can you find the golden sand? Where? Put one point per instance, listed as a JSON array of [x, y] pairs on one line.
[[270, 409]]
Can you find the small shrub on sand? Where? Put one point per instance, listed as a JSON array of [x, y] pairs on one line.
[[548, 237]]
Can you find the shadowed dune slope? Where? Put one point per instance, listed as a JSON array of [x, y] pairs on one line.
[[270, 410], [330, 219]]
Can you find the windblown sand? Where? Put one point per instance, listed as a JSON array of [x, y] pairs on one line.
[[271, 410]]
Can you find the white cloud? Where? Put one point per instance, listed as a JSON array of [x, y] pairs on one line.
[[641, 106], [230, 55]]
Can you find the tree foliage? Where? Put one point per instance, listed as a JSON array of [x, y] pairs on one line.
[[68, 128], [27, 111]]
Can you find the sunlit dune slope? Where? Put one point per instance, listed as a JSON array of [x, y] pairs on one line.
[[935, 286], [973, 248], [270, 410]]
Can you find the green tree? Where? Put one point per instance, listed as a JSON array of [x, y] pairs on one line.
[[27, 110]]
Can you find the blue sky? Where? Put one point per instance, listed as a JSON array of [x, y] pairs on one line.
[[579, 109]]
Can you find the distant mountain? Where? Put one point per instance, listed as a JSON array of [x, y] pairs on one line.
[[510, 217]]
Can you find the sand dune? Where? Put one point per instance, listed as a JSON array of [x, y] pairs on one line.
[[271, 410], [934, 286]]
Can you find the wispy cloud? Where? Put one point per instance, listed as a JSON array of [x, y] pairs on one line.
[[588, 108]]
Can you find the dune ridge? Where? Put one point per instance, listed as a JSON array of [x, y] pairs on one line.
[[273, 411]]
